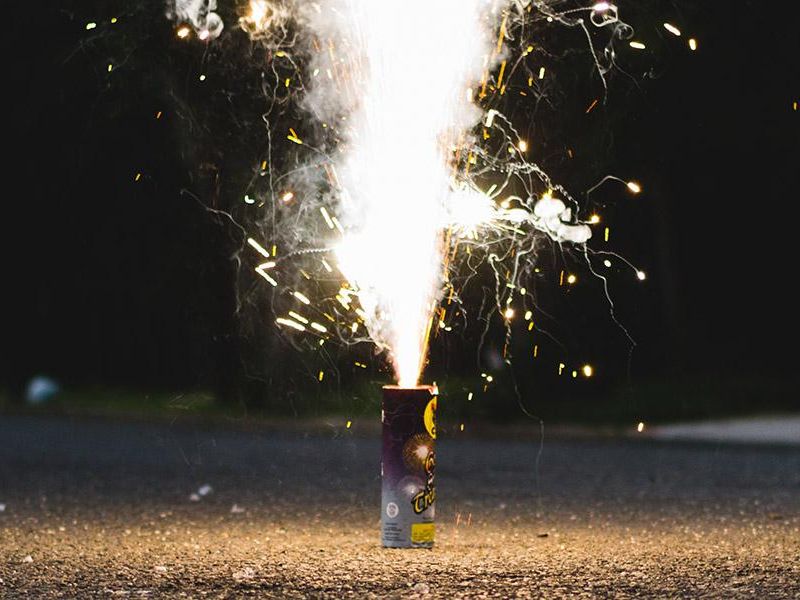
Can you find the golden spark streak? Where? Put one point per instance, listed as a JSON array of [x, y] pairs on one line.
[[292, 137], [290, 323], [302, 297], [258, 248], [327, 217], [266, 276]]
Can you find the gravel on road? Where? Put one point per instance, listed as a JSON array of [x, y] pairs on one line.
[[110, 509]]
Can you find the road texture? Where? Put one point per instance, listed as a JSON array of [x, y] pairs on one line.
[[108, 509]]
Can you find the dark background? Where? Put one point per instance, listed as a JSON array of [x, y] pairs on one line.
[[127, 284]]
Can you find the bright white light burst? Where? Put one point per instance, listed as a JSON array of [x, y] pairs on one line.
[[409, 75]]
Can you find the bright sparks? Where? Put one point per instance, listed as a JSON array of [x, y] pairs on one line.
[[412, 194], [258, 248], [410, 108], [290, 323], [262, 16], [634, 187], [302, 297], [259, 12]]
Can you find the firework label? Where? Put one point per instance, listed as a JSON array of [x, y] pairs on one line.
[[408, 467]]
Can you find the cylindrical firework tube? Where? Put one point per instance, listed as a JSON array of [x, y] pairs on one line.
[[407, 467]]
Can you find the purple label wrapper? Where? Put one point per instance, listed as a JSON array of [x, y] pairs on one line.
[[408, 462]]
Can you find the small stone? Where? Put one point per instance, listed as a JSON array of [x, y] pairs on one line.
[[160, 569], [236, 509], [28, 559], [422, 588], [205, 490], [246, 573], [543, 534]]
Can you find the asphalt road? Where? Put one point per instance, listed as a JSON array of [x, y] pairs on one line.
[[105, 509]]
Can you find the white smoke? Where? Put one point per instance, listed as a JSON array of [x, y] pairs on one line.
[[553, 217], [199, 14]]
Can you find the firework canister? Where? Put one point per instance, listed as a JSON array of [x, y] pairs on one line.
[[407, 467]]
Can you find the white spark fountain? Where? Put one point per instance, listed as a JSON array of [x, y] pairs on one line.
[[409, 66]]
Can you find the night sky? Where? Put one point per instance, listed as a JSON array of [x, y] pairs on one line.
[[126, 283]]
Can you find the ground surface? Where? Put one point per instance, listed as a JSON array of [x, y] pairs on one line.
[[103, 509]]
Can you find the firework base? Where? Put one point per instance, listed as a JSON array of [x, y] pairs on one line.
[[408, 462]]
